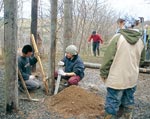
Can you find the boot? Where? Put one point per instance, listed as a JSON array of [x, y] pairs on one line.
[[109, 116], [128, 115], [128, 112]]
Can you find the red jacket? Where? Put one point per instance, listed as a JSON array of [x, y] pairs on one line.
[[96, 38]]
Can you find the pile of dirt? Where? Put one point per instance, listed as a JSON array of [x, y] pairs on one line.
[[75, 101]]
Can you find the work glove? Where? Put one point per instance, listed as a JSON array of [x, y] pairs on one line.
[[32, 77], [61, 72], [61, 63]]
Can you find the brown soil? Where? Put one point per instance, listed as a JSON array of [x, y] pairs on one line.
[[75, 101]]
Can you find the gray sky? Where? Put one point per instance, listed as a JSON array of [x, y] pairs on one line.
[[137, 8]]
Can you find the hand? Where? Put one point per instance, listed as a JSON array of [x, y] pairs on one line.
[[61, 72], [32, 77], [61, 63]]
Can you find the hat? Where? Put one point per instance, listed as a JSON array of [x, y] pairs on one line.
[[120, 20], [72, 49], [94, 32]]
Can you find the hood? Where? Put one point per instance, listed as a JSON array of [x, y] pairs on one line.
[[132, 36]]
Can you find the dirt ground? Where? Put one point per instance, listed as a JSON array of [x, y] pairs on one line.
[[83, 102], [74, 101], [65, 104]]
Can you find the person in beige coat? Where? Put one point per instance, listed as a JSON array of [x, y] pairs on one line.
[[120, 71]]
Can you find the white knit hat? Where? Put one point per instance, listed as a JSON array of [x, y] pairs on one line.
[[72, 49]]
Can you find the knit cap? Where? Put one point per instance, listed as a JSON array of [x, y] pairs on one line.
[[72, 49]]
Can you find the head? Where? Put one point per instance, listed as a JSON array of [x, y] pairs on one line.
[[121, 22], [27, 50], [132, 22], [137, 22], [71, 51], [94, 32]]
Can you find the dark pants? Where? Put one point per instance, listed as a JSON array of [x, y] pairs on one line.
[[96, 47], [116, 98], [72, 80], [148, 54]]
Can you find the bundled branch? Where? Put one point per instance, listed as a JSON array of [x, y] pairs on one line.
[[40, 63]]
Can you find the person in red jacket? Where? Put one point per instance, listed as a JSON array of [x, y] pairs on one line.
[[96, 42]]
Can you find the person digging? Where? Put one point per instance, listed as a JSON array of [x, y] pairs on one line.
[[73, 70]]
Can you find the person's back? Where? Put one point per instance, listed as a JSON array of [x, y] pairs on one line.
[[127, 59], [120, 70]]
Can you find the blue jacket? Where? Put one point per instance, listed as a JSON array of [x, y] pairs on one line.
[[74, 65]]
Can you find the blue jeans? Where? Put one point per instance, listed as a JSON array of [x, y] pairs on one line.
[[116, 98], [96, 47], [148, 54]]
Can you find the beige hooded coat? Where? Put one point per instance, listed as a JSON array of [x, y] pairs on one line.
[[122, 60]]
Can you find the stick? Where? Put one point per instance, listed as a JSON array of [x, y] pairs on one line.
[[24, 85], [25, 88], [40, 63]]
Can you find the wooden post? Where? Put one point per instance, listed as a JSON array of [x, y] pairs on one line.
[[40, 63]]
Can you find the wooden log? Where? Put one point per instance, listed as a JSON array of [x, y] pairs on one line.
[[146, 63], [144, 70], [97, 66], [92, 65]]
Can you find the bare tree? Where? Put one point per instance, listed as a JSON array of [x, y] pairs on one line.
[[53, 44], [68, 24], [34, 18], [1, 5], [89, 15], [10, 56]]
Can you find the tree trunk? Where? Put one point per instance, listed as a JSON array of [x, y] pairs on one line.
[[68, 23], [10, 55], [53, 44], [34, 16]]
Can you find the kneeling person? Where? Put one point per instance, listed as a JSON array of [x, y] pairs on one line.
[[25, 61], [73, 66]]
